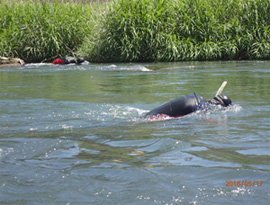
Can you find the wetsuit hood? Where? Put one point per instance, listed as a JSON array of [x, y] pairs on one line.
[[223, 100]]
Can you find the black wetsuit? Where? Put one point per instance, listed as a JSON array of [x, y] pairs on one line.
[[180, 106], [68, 60]]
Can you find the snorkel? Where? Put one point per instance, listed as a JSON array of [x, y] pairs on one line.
[[221, 88], [222, 100]]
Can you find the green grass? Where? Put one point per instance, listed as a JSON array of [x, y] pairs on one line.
[[41, 31], [136, 30], [177, 30]]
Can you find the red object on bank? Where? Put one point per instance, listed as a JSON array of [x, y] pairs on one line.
[[58, 61]]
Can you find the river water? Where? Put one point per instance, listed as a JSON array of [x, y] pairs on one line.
[[74, 134]]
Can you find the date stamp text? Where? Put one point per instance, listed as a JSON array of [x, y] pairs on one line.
[[245, 183]]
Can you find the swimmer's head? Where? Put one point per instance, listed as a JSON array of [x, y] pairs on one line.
[[223, 100]]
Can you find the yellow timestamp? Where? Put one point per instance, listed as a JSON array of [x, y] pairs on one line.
[[245, 183]]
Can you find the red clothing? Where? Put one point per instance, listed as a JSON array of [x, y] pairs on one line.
[[58, 61]]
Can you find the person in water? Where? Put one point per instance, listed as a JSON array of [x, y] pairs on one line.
[[188, 104], [68, 60]]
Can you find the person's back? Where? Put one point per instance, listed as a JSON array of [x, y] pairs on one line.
[[188, 104], [68, 60]]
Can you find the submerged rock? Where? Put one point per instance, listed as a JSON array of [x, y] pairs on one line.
[[4, 61]]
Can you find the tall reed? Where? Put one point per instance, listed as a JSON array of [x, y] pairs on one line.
[[41, 31], [135, 30], [176, 30]]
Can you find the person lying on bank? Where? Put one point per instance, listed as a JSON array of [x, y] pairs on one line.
[[187, 104], [68, 60]]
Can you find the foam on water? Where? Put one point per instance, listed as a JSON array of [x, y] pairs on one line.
[[124, 67], [85, 66]]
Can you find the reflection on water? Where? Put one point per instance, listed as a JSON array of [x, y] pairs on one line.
[[74, 134]]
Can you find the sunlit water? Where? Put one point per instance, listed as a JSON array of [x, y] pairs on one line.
[[74, 134]]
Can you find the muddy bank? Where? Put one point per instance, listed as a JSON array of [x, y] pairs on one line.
[[7, 61]]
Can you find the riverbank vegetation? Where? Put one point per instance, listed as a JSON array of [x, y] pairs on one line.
[[136, 30], [43, 30]]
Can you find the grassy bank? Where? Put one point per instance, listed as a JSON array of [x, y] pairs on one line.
[[42, 30], [176, 30], [136, 30]]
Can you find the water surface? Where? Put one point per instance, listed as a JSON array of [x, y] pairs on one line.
[[73, 134]]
